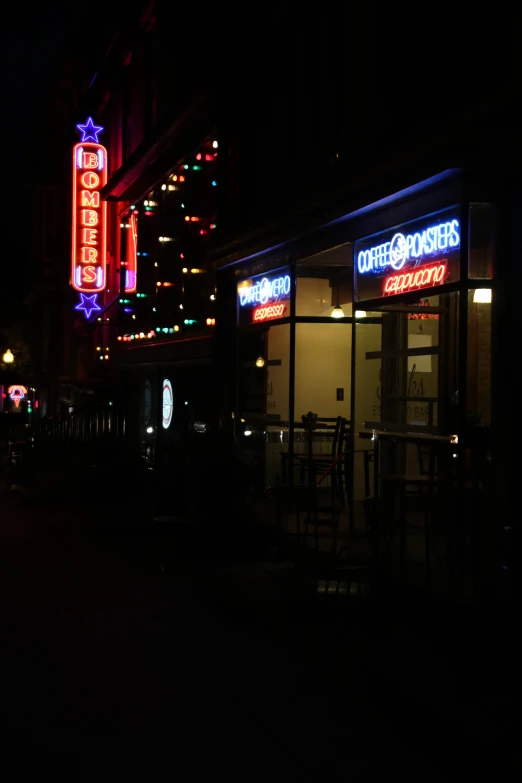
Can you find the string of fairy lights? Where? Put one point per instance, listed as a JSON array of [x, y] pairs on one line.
[[198, 223]]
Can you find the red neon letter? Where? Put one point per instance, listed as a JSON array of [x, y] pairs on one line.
[[89, 274], [89, 236], [90, 180], [90, 199], [440, 273], [89, 255], [90, 160], [89, 217]]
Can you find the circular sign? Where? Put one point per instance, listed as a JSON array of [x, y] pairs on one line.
[[265, 290], [168, 404], [398, 251]]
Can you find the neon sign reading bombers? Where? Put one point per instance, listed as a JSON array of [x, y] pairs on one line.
[[266, 290], [89, 212], [404, 248]]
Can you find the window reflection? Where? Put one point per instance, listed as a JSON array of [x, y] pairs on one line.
[[325, 282]]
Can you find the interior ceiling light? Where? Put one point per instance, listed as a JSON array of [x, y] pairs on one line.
[[482, 296]]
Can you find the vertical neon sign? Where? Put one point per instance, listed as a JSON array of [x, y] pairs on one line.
[[131, 255], [89, 213]]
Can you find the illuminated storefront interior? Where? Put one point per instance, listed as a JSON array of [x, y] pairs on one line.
[[392, 332]]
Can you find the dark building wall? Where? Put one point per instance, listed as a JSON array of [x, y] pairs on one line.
[[341, 90]]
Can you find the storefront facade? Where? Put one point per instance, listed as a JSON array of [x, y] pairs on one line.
[[384, 318]]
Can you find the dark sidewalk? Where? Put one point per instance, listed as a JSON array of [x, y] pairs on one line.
[[142, 650]]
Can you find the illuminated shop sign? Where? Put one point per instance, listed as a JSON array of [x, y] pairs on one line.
[[270, 311], [421, 255], [423, 277], [89, 217], [167, 404], [265, 297], [17, 393]]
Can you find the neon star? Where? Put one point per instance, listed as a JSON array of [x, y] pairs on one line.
[[88, 304], [90, 130]]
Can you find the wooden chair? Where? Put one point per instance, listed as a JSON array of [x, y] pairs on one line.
[[326, 502], [299, 459], [319, 462]]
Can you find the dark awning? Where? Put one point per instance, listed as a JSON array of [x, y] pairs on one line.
[[151, 161]]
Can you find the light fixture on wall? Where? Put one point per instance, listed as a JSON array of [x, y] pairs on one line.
[[360, 313], [338, 311], [482, 296], [260, 362]]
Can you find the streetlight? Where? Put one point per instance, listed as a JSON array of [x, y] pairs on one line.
[[8, 357]]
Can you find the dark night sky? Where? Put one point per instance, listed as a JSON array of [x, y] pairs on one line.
[[33, 45]]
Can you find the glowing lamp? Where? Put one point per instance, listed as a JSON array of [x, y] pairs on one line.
[[260, 362], [360, 313], [337, 312], [8, 357], [482, 296]]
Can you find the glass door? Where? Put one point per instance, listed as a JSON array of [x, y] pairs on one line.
[[407, 373]]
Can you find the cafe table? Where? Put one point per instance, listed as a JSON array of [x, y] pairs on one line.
[[378, 436], [419, 482]]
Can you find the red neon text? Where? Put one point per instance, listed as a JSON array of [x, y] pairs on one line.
[[88, 255], [90, 160], [272, 311], [90, 199], [89, 219], [89, 274], [419, 278], [90, 180]]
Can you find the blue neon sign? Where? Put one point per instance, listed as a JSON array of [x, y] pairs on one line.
[[421, 254], [268, 289], [402, 249], [264, 297]]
